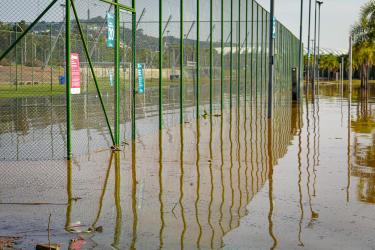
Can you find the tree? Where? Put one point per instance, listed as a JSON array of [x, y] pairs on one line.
[[363, 34], [329, 63]]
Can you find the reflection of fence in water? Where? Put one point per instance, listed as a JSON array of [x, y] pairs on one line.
[[224, 166]]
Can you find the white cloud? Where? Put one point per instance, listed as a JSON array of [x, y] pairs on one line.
[[337, 17]]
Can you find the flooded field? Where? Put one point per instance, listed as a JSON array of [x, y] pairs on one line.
[[236, 181]]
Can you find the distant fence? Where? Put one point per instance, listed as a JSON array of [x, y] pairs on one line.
[[197, 58]]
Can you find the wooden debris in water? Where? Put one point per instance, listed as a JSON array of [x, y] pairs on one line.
[[47, 246]]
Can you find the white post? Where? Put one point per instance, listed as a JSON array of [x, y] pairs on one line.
[[350, 67]]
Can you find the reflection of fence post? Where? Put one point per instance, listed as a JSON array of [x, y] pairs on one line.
[[67, 78], [69, 187]]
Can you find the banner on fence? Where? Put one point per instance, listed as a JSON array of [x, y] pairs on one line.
[[111, 78], [75, 74], [274, 28], [141, 79], [110, 30]]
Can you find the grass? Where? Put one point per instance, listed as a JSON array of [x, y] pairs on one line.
[[355, 82], [10, 91]]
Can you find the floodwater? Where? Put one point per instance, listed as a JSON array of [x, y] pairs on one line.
[[234, 181]]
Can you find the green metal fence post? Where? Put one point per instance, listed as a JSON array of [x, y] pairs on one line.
[[92, 71], [222, 58], [231, 55], [246, 50], [211, 54], [117, 75], [270, 60], [68, 81], [198, 61], [161, 54], [30, 27], [252, 52], [15, 54], [134, 27], [257, 56], [239, 56], [50, 51], [261, 54], [181, 61]]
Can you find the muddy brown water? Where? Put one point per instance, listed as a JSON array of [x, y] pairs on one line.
[[234, 181]]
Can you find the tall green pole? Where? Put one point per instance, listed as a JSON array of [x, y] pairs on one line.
[[300, 54], [222, 58], [117, 75], [246, 50], [181, 61], [211, 54], [257, 57], [231, 54], [134, 27], [161, 54], [261, 54], [252, 52], [68, 82], [239, 56], [270, 59], [15, 54], [50, 51], [198, 60]]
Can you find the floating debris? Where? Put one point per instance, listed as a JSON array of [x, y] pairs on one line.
[[47, 246], [8, 242]]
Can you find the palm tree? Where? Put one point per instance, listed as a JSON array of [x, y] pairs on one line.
[[363, 34], [329, 63]]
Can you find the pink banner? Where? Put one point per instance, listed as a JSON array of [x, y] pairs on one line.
[[75, 74]]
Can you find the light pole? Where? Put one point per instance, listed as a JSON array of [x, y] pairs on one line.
[[308, 50], [300, 54], [314, 69], [318, 76]]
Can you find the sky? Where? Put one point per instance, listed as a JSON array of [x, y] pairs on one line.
[[337, 17]]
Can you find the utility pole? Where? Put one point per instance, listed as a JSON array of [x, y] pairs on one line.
[[318, 76], [314, 76]]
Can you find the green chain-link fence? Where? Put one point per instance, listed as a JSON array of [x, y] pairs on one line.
[[196, 58]]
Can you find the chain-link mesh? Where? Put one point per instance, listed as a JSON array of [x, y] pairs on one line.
[[223, 64]]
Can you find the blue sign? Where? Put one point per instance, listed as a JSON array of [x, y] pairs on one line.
[[110, 30], [141, 79], [274, 28]]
